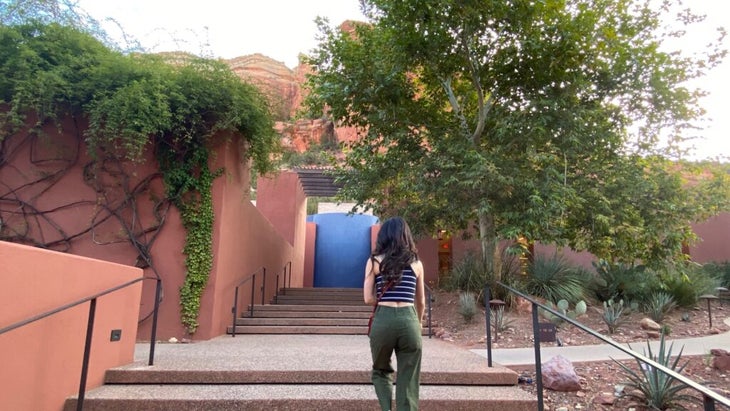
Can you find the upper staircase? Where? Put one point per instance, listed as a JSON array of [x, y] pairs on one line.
[[307, 311]]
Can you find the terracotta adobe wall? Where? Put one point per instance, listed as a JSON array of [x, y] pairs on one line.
[[714, 244], [244, 240], [41, 362], [281, 200]]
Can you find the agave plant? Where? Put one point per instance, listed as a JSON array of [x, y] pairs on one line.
[[653, 388], [467, 306], [612, 312], [660, 303], [500, 320]]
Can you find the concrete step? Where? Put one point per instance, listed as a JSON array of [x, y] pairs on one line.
[[305, 321], [495, 376], [280, 313], [309, 307], [320, 397], [304, 372], [316, 299], [300, 329], [305, 329], [322, 290], [319, 295]]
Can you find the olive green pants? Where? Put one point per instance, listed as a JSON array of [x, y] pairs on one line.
[[396, 330]]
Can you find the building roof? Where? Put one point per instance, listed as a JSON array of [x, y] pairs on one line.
[[318, 182]]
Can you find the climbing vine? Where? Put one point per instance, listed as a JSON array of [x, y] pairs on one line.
[[189, 184], [133, 104]]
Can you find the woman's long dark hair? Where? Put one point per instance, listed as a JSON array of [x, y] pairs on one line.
[[395, 243]]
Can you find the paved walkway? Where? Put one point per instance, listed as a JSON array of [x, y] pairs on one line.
[[582, 353], [266, 353], [348, 352]]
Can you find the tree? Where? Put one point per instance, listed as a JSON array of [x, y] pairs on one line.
[[66, 13], [515, 115]]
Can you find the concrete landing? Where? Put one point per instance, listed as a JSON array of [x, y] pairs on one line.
[[296, 372]]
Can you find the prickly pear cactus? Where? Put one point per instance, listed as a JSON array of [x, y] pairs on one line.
[[563, 307]]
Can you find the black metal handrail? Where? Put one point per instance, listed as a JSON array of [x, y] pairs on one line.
[[90, 328], [251, 277], [429, 300], [709, 396], [283, 289]]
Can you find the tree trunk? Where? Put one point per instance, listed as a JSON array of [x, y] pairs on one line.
[[488, 238]]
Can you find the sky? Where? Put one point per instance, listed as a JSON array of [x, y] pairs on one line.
[[282, 29]]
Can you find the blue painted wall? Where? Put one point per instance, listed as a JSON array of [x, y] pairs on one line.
[[341, 249]]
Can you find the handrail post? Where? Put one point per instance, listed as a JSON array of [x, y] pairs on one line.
[[87, 354], [153, 333], [234, 311], [263, 287], [538, 361], [289, 264], [276, 292], [430, 298], [709, 403], [253, 293], [488, 320]]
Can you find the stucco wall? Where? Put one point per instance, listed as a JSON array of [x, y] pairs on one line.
[[714, 240], [47, 172], [244, 241], [310, 241], [41, 362], [281, 200]]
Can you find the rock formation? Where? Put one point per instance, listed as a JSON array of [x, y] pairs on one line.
[[283, 87], [279, 83]]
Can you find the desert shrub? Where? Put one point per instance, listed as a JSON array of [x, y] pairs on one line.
[[686, 282], [659, 304], [470, 274], [510, 273], [554, 279], [630, 283], [500, 320], [719, 271], [652, 388], [467, 306]]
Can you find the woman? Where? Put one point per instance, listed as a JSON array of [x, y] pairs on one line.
[[394, 282]]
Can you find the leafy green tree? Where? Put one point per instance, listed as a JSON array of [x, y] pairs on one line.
[[66, 13], [517, 116]]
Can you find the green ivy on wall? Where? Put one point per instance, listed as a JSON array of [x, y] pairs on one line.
[[189, 184], [135, 103]]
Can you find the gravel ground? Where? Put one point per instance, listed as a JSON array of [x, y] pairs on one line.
[[602, 383]]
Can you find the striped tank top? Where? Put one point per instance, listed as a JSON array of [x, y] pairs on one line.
[[404, 292]]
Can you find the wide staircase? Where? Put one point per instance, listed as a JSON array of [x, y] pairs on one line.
[[307, 311], [305, 351]]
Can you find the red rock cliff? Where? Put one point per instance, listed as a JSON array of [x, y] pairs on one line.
[[283, 87]]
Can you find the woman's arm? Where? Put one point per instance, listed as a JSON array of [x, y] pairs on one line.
[[368, 288], [417, 267]]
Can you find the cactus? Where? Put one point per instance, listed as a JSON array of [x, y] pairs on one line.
[[563, 307], [612, 314]]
